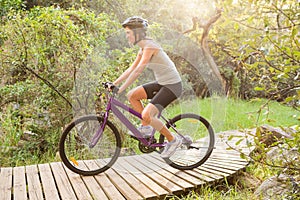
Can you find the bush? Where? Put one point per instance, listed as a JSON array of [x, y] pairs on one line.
[[43, 52], [7, 5]]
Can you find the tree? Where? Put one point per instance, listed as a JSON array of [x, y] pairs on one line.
[[259, 41], [206, 24], [43, 52]]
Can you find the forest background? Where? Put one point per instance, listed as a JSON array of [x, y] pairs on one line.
[[54, 55]]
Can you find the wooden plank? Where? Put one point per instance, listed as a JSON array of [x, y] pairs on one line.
[[169, 176], [183, 157], [158, 190], [206, 179], [135, 183], [215, 170], [228, 159], [6, 175], [227, 165], [219, 168], [48, 184], [227, 156], [205, 172], [185, 176], [126, 189], [229, 162], [225, 152], [133, 177], [19, 183], [78, 185], [63, 184], [94, 188], [156, 177], [110, 190], [34, 185]]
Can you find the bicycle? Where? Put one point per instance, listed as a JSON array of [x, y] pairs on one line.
[[91, 144]]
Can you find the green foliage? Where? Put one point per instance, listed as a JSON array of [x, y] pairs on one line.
[[11, 123], [53, 60], [273, 154], [219, 192], [255, 43], [42, 54], [260, 40], [120, 60], [7, 5]]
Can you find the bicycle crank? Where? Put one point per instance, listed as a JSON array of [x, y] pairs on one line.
[[147, 149]]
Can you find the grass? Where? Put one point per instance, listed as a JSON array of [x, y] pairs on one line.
[[230, 114], [213, 193]]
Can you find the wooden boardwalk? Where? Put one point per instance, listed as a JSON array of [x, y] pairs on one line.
[[133, 177]]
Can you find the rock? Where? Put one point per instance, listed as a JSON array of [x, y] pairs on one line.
[[286, 185], [244, 180], [27, 136], [278, 187], [269, 134], [283, 156]]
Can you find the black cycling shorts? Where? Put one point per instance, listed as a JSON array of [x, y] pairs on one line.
[[162, 95]]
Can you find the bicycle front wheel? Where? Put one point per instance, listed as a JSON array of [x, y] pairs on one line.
[[197, 137], [79, 155]]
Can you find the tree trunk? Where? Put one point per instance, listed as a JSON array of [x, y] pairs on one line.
[[206, 26]]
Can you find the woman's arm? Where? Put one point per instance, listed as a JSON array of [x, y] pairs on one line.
[[144, 60], [127, 72]]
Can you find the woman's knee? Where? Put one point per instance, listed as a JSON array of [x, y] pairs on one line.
[[150, 118], [136, 94], [129, 95], [149, 113], [146, 117]]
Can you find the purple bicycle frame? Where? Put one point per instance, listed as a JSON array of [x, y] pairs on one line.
[[113, 105]]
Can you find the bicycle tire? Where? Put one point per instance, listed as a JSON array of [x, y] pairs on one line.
[[199, 130], [75, 150]]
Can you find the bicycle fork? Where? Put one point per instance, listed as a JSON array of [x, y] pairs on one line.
[[99, 132]]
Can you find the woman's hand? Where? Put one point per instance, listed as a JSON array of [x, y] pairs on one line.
[[111, 87]]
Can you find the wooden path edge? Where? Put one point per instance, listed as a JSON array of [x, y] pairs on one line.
[[133, 177]]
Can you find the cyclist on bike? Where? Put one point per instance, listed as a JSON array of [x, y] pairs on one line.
[[166, 88]]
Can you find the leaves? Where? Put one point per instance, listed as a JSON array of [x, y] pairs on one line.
[[43, 54], [263, 45], [259, 89]]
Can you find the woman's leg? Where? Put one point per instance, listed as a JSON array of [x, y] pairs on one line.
[[135, 96], [149, 116]]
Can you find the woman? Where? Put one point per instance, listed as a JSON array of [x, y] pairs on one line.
[[166, 88]]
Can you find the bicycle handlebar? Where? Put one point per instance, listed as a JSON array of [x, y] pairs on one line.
[[110, 87]]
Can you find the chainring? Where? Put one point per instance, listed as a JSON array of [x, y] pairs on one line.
[[146, 149]]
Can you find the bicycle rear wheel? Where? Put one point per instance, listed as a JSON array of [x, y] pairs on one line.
[[75, 149], [197, 141]]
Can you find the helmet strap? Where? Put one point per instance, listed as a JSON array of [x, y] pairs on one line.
[[137, 39]]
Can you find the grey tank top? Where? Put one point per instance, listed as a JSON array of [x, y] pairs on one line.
[[164, 69]]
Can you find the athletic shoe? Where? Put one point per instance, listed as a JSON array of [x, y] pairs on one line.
[[171, 147], [146, 131]]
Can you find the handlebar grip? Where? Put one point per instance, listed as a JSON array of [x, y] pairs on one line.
[[115, 89], [111, 87]]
